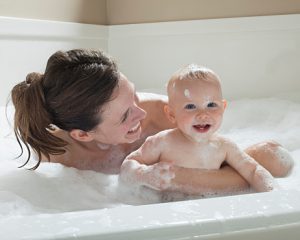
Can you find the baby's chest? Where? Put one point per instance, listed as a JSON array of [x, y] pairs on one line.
[[209, 157]]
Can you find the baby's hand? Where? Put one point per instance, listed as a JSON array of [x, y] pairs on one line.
[[263, 180], [158, 176]]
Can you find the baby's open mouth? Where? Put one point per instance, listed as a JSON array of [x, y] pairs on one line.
[[134, 129], [202, 128]]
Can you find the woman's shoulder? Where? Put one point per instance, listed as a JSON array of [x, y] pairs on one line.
[[151, 97], [154, 105], [152, 102]]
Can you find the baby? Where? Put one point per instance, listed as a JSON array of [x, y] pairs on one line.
[[196, 106]]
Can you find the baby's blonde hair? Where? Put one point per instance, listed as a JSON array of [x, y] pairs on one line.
[[192, 71]]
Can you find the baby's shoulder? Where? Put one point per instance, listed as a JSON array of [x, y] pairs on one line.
[[158, 138], [162, 135], [222, 140]]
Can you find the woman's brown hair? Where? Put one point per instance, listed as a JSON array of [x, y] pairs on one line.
[[74, 87]]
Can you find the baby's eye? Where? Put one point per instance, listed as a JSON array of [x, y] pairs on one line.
[[190, 106], [212, 105]]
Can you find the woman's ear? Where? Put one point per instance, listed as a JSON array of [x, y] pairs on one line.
[[57, 132], [224, 103], [81, 136], [169, 113]]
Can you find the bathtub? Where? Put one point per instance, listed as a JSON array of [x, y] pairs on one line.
[[269, 45], [274, 215]]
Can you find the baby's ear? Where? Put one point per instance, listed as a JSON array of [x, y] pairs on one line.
[[224, 103], [169, 113]]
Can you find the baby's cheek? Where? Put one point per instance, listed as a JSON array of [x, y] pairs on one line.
[[218, 116], [187, 119]]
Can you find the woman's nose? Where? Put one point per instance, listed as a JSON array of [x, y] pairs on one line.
[[139, 113]]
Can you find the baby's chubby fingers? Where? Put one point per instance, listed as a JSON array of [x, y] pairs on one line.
[[162, 174], [164, 169]]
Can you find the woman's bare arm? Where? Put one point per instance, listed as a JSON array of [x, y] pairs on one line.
[[198, 181]]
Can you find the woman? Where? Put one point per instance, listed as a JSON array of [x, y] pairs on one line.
[[82, 112]]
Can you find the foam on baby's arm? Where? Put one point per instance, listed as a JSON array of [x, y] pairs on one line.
[[263, 181], [256, 175], [157, 176], [142, 167]]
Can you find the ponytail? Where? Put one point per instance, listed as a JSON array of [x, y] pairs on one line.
[[56, 97], [32, 118]]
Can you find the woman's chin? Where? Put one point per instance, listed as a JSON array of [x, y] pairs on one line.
[[132, 140]]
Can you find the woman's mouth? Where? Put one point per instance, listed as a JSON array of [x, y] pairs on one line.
[[134, 129], [202, 128]]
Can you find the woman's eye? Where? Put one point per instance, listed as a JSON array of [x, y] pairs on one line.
[[125, 116], [212, 105], [190, 106]]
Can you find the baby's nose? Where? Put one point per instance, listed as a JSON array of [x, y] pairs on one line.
[[202, 115]]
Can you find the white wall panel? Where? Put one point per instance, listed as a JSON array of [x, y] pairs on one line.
[[25, 46], [254, 56]]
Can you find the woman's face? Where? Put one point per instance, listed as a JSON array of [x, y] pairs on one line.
[[121, 117]]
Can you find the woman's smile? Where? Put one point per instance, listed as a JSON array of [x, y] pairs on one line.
[[135, 129]]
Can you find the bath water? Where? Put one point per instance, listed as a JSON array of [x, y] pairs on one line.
[[53, 188]]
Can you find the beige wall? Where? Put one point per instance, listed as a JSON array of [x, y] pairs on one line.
[[80, 11], [141, 11], [113, 12]]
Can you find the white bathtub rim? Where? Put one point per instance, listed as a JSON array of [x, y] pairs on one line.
[[278, 209]]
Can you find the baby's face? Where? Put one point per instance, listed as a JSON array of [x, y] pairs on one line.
[[198, 107]]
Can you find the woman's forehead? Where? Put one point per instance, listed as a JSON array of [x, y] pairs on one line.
[[122, 96], [125, 87]]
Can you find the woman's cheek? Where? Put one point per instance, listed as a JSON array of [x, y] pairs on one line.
[[125, 128]]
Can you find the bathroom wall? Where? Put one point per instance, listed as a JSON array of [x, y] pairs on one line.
[[112, 12], [25, 46], [79, 11], [142, 11], [255, 57]]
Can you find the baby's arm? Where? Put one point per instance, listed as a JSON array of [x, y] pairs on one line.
[[142, 166], [256, 175]]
